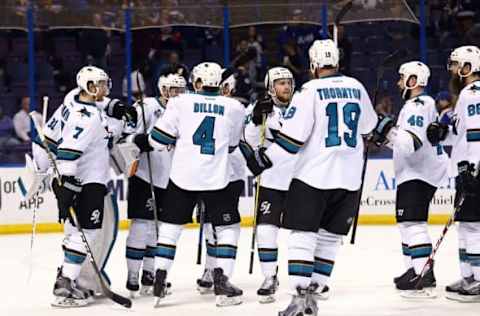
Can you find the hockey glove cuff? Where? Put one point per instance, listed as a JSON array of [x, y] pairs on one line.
[[465, 182], [141, 140], [120, 111], [257, 160], [384, 125], [262, 107]]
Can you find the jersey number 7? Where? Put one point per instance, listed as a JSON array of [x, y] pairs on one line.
[[351, 114], [203, 136]]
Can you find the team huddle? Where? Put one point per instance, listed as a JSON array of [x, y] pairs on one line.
[[187, 153]]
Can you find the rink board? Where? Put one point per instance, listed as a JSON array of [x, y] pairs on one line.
[[377, 207]]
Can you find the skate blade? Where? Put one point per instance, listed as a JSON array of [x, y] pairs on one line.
[[462, 298], [146, 291], [204, 290], [158, 302], [321, 296], [66, 302], [419, 294], [223, 300], [266, 299], [132, 294]]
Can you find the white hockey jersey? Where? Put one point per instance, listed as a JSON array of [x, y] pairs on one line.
[[161, 160], [414, 157], [324, 125], [204, 128], [465, 136], [279, 176], [83, 148]]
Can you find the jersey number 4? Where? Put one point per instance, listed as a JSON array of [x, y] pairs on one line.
[[203, 136], [351, 114]]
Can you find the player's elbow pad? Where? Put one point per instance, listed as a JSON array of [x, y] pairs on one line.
[[404, 141]]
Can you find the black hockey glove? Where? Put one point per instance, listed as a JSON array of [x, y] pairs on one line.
[[465, 182], [437, 132], [120, 111], [65, 192], [141, 140], [263, 107], [257, 160], [384, 125]]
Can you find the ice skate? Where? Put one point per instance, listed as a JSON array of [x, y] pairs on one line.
[[205, 283], [298, 304], [132, 283], [468, 293], [266, 292], [410, 288], [320, 293], [226, 294], [160, 286], [67, 295], [147, 283]]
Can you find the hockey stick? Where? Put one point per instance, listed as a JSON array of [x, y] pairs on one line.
[[106, 291], [201, 215], [149, 161], [429, 262], [341, 14], [388, 61], [257, 193], [35, 200]]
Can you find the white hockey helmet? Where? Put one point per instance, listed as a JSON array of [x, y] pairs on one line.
[[323, 53], [95, 75], [417, 69], [162, 86], [209, 74], [228, 82], [175, 81], [274, 74], [466, 55]]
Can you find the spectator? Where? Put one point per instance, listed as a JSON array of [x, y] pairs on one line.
[[385, 106], [6, 131], [137, 79], [94, 43], [175, 66], [21, 120], [293, 61], [443, 101]]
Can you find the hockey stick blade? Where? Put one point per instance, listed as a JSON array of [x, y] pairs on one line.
[[343, 11]]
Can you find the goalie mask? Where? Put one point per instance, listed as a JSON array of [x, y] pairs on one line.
[[275, 74], [97, 77], [207, 75], [323, 53], [415, 69]]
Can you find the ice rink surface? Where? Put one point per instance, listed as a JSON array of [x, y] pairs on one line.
[[361, 284]]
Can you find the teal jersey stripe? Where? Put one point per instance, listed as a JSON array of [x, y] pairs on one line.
[[473, 135], [162, 137], [68, 154]]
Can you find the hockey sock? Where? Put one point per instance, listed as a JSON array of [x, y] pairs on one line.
[[210, 240], [75, 252], [405, 249], [168, 235], [473, 248], [151, 242], [419, 244], [136, 243], [465, 267], [327, 248], [267, 248], [226, 249], [301, 249]]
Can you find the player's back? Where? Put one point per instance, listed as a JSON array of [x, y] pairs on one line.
[[332, 156], [206, 127]]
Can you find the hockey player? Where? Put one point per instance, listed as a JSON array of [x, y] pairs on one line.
[[275, 181], [82, 160], [463, 134], [142, 237], [419, 169], [204, 127], [323, 126], [87, 280], [205, 283]]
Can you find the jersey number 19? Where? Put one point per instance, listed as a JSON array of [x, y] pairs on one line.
[[351, 115]]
